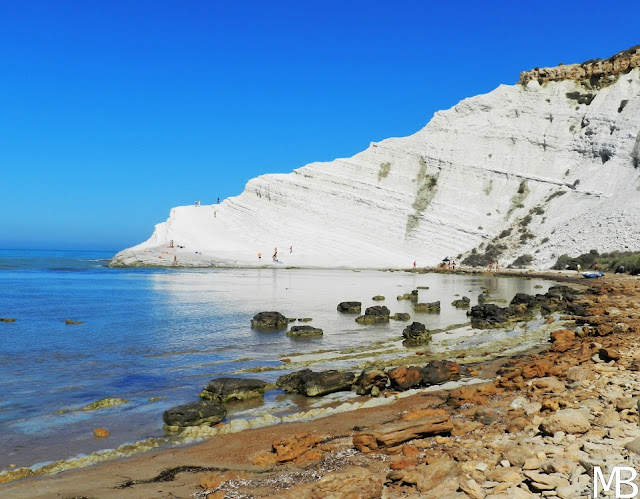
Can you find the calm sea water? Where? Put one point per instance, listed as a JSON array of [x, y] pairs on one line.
[[165, 333]]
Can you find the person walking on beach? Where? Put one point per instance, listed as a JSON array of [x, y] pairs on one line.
[[259, 256], [453, 265], [414, 264], [291, 249], [490, 267], [175, 259], [275, 254], [578, 268]]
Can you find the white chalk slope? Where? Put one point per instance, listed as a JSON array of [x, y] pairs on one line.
[[472, 172]]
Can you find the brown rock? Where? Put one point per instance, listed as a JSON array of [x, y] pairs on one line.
[[288, 450], [100, 432], [356, 483], [394, 434], [423, 413], [567, 420], [402, 464], [562, 340], [517, 424], [548, 384], [403, 377], [410, 451]]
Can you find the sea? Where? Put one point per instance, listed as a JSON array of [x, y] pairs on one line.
[[156, 336]]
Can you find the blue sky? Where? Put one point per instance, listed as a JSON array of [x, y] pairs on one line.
[[113, 112]]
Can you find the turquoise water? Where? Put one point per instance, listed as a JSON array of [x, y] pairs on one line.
[[166, 332]]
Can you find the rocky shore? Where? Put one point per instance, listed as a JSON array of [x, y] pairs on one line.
[[532, 425]]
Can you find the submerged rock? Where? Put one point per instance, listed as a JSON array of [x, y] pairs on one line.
[[413, 296], [463, 302], [352, 307], [312, 384], [378, 298], [416, 333], [104, 403], [433, 307], [304, 331], [71, 322], [195, 414], [370, 378], [489, 315], [269, 321], [226, 389], [400, 316], [7, 319]]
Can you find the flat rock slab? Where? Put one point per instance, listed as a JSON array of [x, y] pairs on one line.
[[226, 389], [312, 384], [391, 435], [195, 414], [304, 331]]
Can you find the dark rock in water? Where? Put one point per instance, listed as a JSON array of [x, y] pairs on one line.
[[439, 371], [304, 331], [433, 307], [270, 321], [422, 287], [416, 333], [374, 315], [70, 322], [225, 389], [405, 377], [378, 298], [291, 319], [489, 315], [483, 298], [311, 384], [195, 414], [413, 296], [305, 319], [528, 300], [463, 302], [7, 319], [400, 316], [353, 307], [370, 379]]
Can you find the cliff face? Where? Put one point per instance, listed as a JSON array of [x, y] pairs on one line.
[[603, 70], [548, 166]]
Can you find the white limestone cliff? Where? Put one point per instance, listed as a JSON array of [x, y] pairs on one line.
[[544, 167]]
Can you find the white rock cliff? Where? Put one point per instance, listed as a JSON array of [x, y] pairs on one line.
[[548, 166]]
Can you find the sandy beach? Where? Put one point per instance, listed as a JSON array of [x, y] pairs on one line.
[[533, 424]]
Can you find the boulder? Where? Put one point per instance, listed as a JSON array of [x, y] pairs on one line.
[[369, 378], [226, 389], [378, 298], [195, 414], [269, 321], [351, 307], [311, 384], [567, 420], [433, 307], [374, 315], [304, 331], [416, 333], [463, 302], [439, 371], [405, 377]]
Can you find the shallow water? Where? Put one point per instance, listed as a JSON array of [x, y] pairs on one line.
[[166, 332]]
